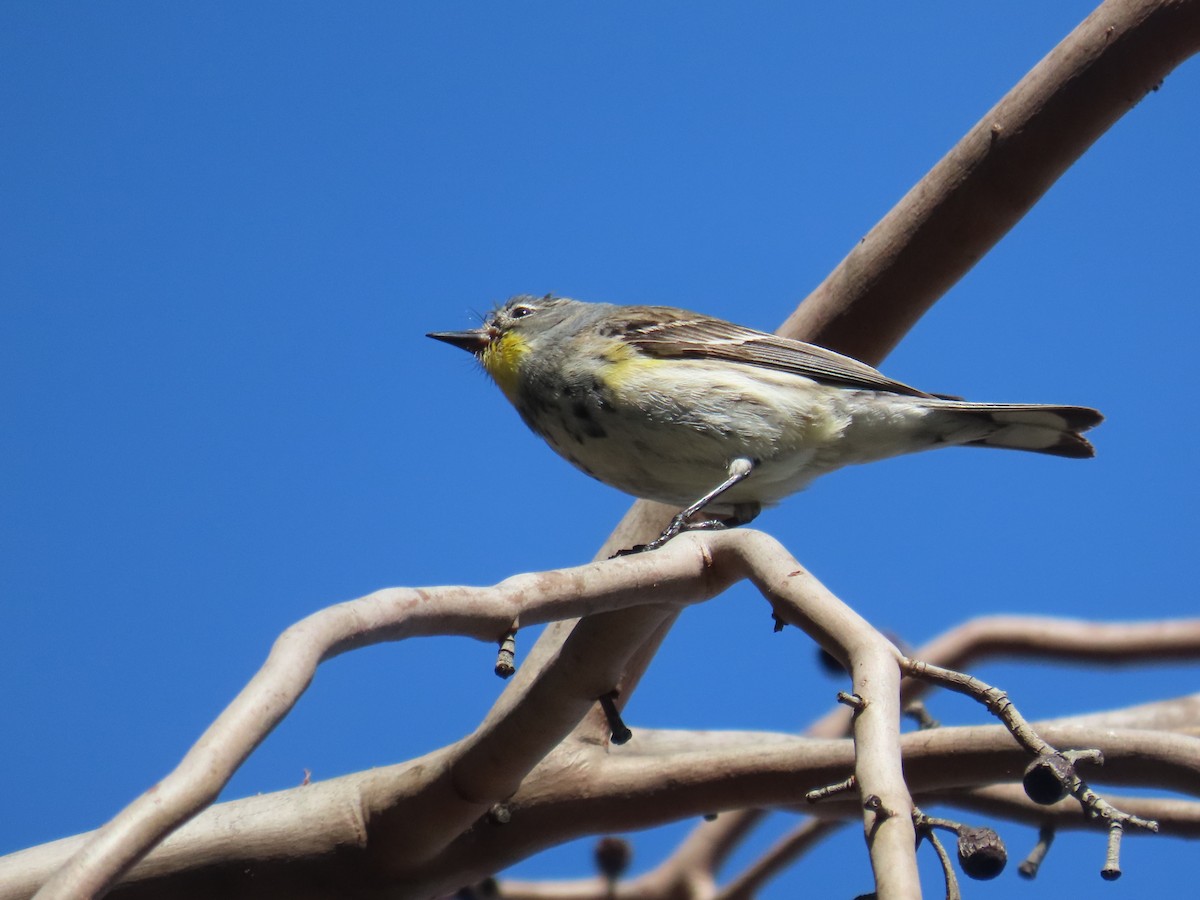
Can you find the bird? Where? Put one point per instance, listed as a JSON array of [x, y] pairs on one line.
[[718, 418]]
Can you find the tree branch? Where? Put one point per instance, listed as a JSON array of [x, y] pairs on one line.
[[495, 760], [1022, 637], [996, 173]]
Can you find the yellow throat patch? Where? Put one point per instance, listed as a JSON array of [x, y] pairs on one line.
[[501, 359]]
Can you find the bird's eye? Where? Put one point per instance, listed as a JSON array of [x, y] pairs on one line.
[[520, 312]]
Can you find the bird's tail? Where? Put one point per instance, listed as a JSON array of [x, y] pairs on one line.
[[1056, 430]]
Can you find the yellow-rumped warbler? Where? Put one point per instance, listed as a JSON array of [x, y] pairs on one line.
[[693, 411]]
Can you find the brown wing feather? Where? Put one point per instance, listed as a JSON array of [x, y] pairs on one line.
[[668, 333]]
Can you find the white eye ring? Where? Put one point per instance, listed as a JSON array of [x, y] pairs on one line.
[[520, 312]]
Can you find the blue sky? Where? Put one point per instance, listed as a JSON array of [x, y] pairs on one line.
[[227, 228]]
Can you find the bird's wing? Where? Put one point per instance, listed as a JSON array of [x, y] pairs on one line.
[[667, 333]]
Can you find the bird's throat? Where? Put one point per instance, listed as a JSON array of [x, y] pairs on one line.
[[502, 359]]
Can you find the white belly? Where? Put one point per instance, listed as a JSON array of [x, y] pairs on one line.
[[675, 444]]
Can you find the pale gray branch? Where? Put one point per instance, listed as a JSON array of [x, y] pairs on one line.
[[1031, 637], [494, 762], [327, 830]]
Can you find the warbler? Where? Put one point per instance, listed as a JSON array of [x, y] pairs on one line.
[[694, 411]]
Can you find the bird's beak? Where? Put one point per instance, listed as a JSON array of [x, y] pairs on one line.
[[474, 341]]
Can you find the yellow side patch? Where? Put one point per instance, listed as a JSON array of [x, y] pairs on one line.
[[502, 360], [624, 364]]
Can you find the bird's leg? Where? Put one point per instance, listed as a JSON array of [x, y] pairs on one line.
[[739, 470]]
